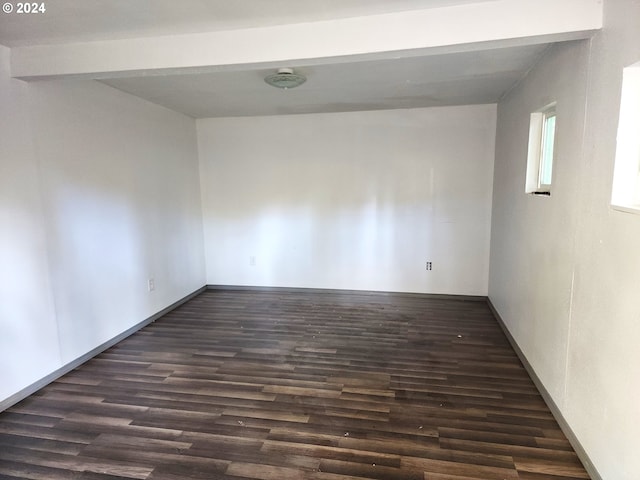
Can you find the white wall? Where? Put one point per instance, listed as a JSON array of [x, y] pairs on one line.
[[532, 255], [357, 200], [104, 194], [565, 270], [28, 332]]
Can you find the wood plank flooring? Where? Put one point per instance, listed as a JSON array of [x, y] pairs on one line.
[[279, 386]]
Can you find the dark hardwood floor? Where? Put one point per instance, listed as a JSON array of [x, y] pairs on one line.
[[326, 386]]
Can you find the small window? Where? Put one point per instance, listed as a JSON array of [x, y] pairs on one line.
[[542, 135], [625, 194]]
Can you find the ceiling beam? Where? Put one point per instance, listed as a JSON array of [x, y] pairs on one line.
[[465, 27]]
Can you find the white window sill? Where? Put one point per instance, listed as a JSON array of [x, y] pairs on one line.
[[627, 208]]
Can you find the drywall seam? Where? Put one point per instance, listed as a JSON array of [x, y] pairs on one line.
[[580, 181], [569, 320], [36, 151]]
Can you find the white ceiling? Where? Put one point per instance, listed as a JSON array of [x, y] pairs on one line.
[[423, 81], [479, 74]]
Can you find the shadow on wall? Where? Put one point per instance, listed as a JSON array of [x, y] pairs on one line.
[[357, 200], [99, 264]]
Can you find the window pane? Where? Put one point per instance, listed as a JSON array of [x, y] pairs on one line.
[[546, 157], [626, 174]]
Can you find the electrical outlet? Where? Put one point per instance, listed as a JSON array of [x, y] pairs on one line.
[[429, 266], [151, 284], [252, 261]]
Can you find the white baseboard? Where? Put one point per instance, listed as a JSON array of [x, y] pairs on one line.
[[34, 387], [555, 411], [258, 288]]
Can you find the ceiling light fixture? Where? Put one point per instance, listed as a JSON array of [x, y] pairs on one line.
[[285, 78]]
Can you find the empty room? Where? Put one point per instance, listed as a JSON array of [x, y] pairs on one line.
[[327, 240]]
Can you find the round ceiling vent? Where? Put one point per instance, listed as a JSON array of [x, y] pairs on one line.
[[285, 78]]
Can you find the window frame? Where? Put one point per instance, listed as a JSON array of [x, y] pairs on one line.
[[625, 191], [539, 158]]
